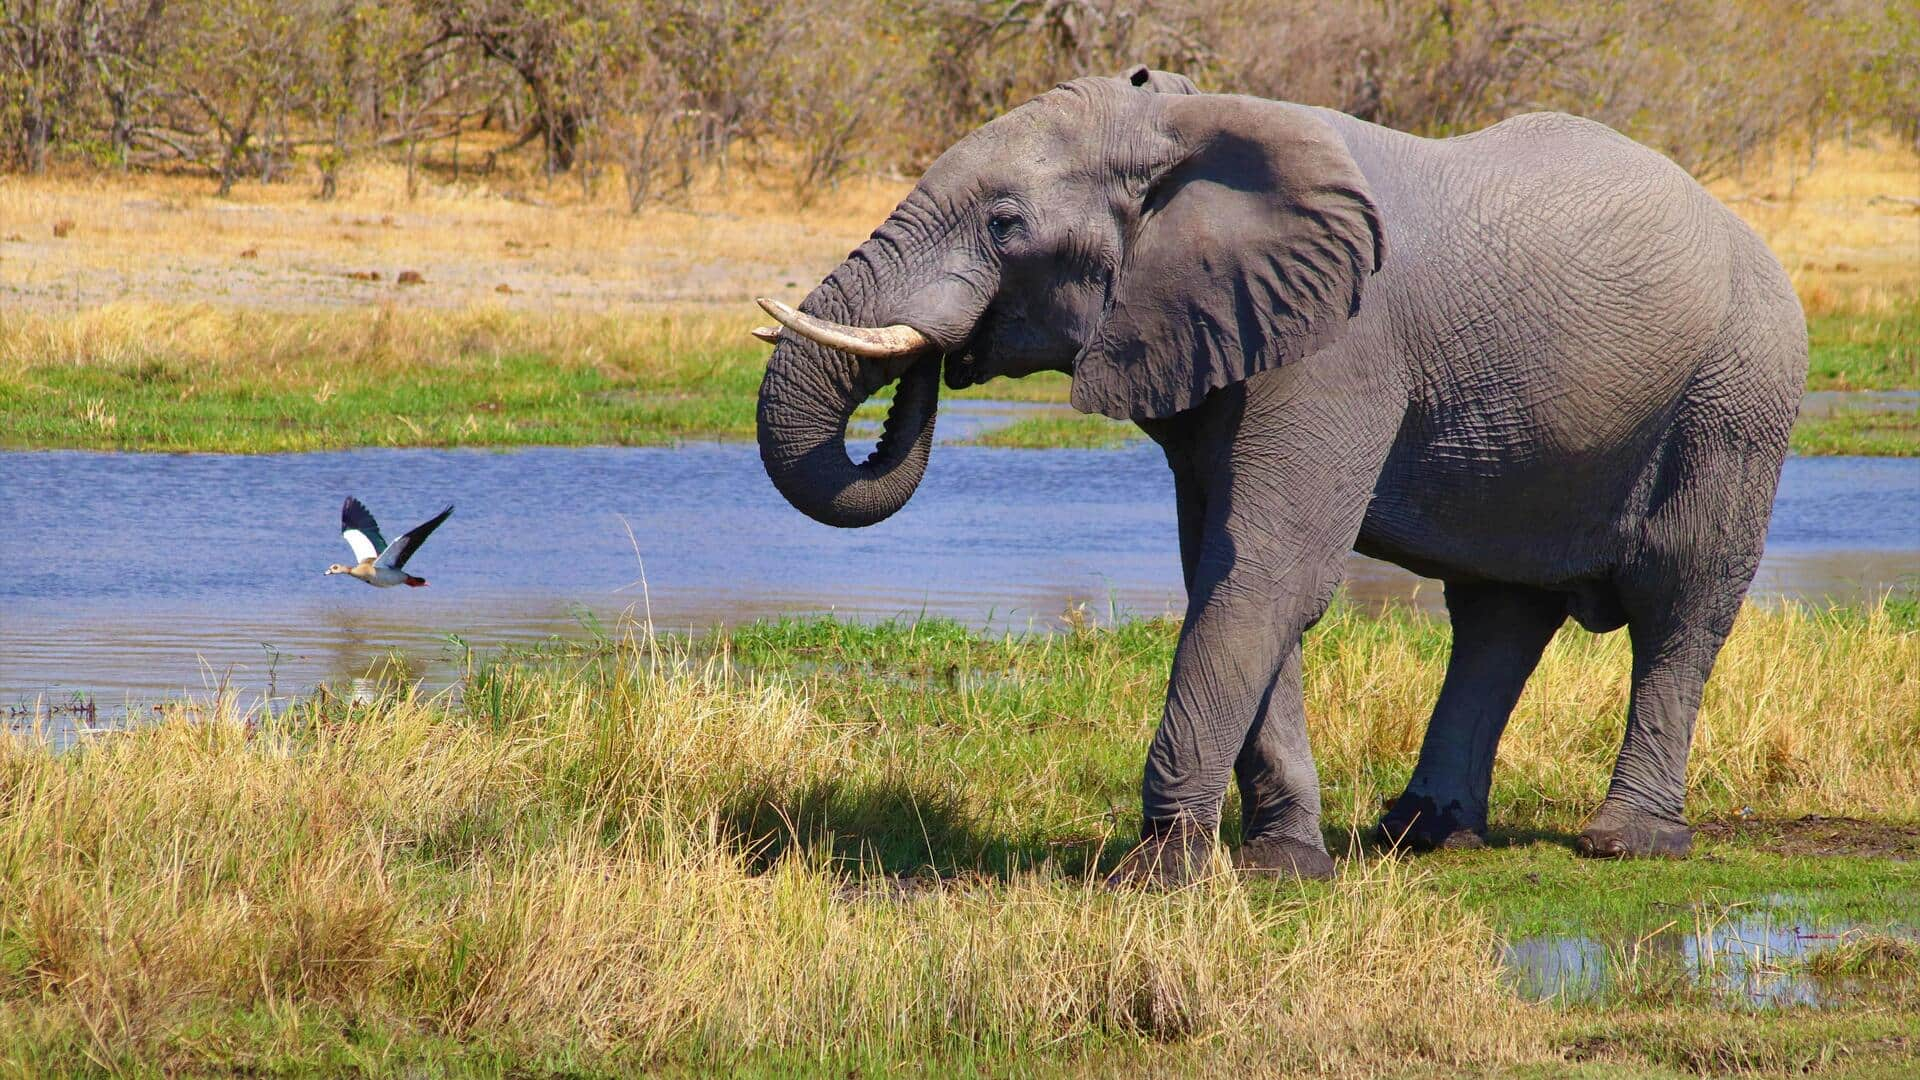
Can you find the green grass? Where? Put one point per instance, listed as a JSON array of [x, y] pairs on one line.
[[1075, 432], [1869, 434], [514, 400], [1864, 352], [196, 379], [810, 846]]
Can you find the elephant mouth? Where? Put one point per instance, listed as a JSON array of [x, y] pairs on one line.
[[963, 369]]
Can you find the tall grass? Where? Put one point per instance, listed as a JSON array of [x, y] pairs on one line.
[[551, 868], [659, 852]]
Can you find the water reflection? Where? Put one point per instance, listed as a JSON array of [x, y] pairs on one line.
[[1758, 959]]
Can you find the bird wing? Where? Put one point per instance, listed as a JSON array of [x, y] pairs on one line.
[[358, 529], [397, 553]]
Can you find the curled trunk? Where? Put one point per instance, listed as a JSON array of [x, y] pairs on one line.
[[809, 394]]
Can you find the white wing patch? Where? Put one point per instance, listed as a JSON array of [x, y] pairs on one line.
[[357, 540]]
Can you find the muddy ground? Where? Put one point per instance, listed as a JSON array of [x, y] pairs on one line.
[[1817, 835]]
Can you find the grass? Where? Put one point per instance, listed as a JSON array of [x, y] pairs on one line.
[[1872, 434], [1840, 228], [1072, 432], [1865, 351], [810, 846], [144, 377], [154, 377]]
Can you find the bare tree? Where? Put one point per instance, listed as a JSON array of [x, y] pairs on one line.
[[657, 87], [548, 44], [43, 50], [234, 69]]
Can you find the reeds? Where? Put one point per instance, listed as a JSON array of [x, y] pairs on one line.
[[631, 855], [558, 864]]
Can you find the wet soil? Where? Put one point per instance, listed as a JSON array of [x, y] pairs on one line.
[[1817, 835]]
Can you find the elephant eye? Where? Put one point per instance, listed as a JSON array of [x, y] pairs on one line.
[[1003, 226]]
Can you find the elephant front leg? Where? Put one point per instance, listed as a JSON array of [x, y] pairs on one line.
[[1239, 647], [1279, 787], [1260, 584], [1274, 477]]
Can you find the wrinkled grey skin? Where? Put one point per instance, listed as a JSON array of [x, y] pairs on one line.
[[1537, 362]]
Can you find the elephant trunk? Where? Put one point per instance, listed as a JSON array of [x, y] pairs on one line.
[[809, 394]]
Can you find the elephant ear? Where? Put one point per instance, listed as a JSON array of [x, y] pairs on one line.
[[1253, 239]]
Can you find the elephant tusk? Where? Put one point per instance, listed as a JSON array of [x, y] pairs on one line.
[[872, 342], [768, 334]]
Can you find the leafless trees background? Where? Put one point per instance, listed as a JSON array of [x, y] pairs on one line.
[[659, 90]]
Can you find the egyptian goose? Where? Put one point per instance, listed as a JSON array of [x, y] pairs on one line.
[[380, 562]]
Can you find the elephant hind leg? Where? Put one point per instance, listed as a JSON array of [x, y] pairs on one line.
[[1499, 632], [1645, 809], [1682, 591]]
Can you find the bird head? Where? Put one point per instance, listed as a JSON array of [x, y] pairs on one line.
[[336, 568]]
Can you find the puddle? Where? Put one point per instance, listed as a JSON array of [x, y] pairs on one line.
[[1764, 958]]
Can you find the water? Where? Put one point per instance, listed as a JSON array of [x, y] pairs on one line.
[[1757, 959], [129, 577]]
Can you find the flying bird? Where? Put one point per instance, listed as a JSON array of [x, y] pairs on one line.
[[381, 564]]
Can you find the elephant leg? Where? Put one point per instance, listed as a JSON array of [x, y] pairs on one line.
[[1681, 593], [1645, 809], [1675, 643], [1279, 787], [1288, 463], [1499, 632]]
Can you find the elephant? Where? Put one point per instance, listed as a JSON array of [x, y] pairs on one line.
[[1537, 362]]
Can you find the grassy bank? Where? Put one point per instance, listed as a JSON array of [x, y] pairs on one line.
[[817, 845], [175, 378], [157, 318], [1872, 434]]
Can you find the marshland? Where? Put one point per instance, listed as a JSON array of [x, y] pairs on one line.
[[659, 775]]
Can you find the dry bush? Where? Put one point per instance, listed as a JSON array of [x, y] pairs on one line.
[[645, 84]]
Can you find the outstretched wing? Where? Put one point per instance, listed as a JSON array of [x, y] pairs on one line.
[[359, 530], [397, 554]]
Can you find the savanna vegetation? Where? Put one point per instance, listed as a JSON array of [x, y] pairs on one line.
[[456, 362], [255, 226], [462, 222], [652, 89], [815, 845]]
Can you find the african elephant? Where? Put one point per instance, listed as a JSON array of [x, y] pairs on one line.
[[1538, 362]]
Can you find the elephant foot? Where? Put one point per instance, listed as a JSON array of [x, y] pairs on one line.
[[1171, 854], [1282, 857], [1630, 834], [1416, 823]]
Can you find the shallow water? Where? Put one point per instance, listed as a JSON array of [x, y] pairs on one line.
[[134, 576], [1756, 959]]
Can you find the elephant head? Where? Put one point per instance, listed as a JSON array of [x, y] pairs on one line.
[[1153, 242]]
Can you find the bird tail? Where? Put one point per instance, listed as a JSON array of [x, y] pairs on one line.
[[415, 582]]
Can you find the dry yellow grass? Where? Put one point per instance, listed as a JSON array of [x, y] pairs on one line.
[[569, 869], [167, 240], [1807, 712], [323, 352], [561, 877], [1848, 231]]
